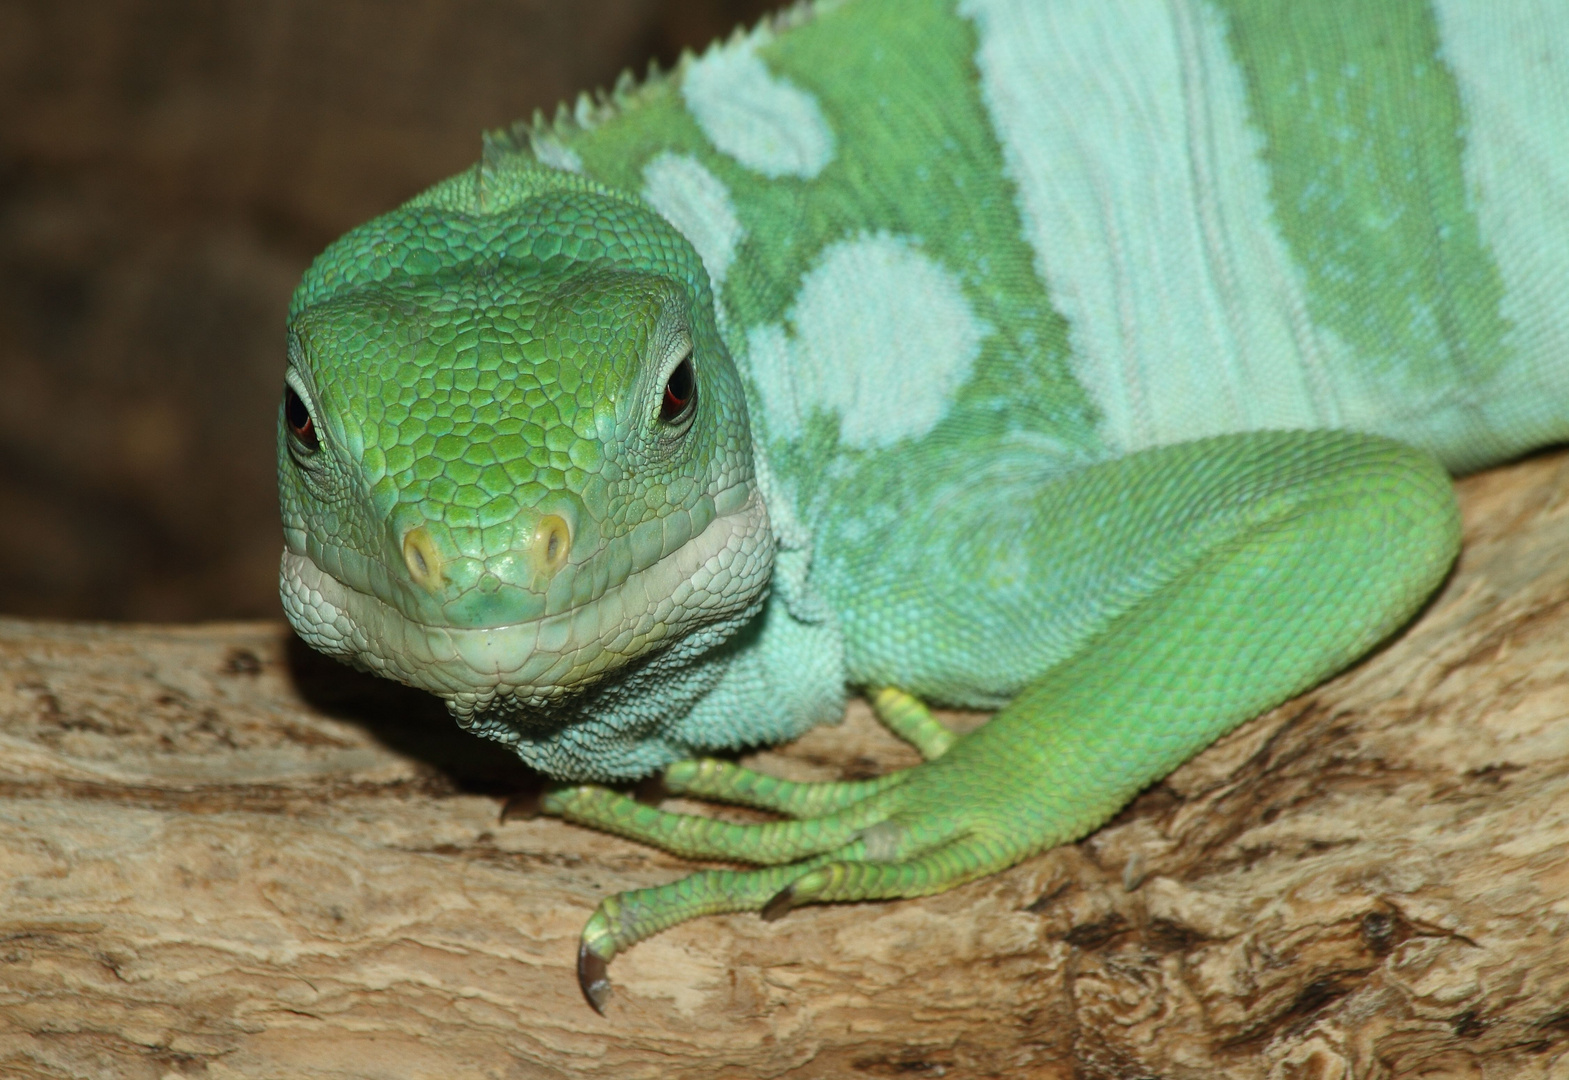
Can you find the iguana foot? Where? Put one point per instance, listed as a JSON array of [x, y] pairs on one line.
[[893, 836], [903, 855]]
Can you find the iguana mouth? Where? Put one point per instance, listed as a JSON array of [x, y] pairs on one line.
[[714, 576]]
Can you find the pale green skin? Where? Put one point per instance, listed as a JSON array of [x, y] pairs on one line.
[[495, 351]]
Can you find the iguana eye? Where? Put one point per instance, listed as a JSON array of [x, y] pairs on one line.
[[680, 392], [298, 417]]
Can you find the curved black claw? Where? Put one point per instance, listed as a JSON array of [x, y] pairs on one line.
[[780, 905], [593, 977]]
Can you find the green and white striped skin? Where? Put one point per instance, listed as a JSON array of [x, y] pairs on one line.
[[1091, 361]]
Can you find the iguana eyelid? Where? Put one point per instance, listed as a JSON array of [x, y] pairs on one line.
[[673, 346], [315, 466], [297, 382]]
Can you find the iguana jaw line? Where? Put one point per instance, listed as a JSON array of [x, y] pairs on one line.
[[715, 575]]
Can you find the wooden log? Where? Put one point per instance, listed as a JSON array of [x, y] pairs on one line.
[[223, 856]]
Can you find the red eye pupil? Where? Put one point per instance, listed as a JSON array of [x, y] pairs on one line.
[[679, 389], [298, 417]]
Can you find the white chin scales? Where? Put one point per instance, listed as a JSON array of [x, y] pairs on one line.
[[713, 577]]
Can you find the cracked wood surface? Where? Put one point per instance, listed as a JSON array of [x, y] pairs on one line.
[[223, 856]]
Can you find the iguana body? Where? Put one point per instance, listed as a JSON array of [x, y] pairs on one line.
[[1085, 360]]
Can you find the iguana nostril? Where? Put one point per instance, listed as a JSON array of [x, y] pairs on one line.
[[422, 558], [552, 544]]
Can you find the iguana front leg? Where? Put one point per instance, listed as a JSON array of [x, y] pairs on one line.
[[1283, 558]]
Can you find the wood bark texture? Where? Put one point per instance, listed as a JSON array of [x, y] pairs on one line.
[[222, 856]]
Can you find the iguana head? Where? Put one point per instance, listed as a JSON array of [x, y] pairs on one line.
[[513, 452]]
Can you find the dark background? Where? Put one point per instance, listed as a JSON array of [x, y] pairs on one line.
[[168, 168]]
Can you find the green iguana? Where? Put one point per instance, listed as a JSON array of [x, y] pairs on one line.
[[1095, 362]]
